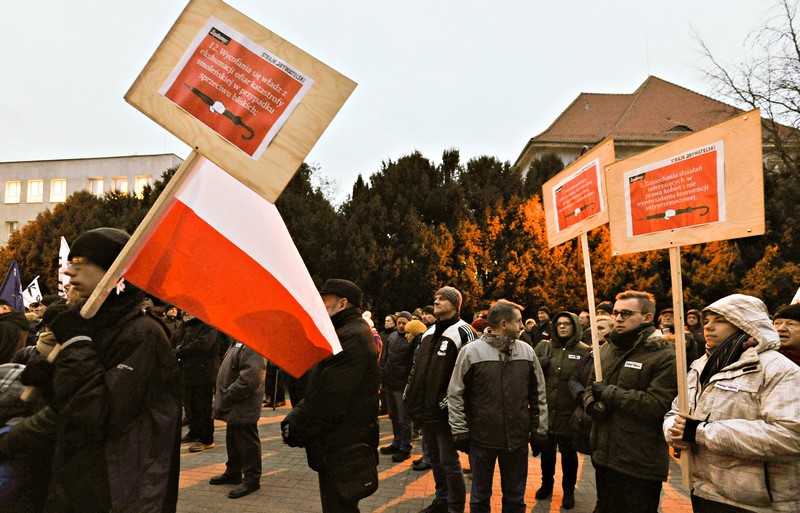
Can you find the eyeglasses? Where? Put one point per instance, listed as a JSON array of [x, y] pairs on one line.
[[624, 313], [563, 324]]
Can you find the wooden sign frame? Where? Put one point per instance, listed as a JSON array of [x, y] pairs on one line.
[[740, 140], [269, 172], [603, 153]]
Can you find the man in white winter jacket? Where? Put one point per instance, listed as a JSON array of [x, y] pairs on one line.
[[743, 424]]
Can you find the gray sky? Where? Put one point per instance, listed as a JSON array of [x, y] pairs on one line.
[[435, 74]]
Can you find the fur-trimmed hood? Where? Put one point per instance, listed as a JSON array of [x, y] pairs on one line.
[[750, 315]]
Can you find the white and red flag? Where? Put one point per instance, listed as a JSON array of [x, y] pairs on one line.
[[222, 252]]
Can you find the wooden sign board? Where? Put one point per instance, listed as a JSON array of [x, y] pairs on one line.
[[574, 199], [704, 187], [246, 99]]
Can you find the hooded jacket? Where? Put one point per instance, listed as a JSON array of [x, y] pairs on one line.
[[564, 356], [747, 451], [14, 328], [496, 393], [642, 383]]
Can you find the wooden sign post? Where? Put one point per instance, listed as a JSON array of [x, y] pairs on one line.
[[574, 204], [680, 193]]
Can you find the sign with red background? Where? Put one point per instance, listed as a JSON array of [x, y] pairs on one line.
[[578, 196], [678, 192], [235, 87]]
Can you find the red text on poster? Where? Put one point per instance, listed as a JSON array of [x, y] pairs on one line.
[[235, 87], [578, 196], [679, 192]]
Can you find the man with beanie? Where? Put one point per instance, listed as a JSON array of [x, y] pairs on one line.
[[497, 406], [114, 411], [396, 360], [427, 398], [13, 331], [340, 407], [630, 458], [543, 329], [787, 323], [743, 417]]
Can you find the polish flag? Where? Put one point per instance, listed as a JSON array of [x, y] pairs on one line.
[[223, 253]]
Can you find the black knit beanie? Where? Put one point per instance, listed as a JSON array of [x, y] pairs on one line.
[[100, 246]]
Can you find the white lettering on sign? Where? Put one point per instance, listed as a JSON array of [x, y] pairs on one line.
[[633, 365]]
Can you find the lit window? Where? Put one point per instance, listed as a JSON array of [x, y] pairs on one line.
[[141, 181], [13, 191], [96, 186], [58, 190], [121, 184], [35, 191]]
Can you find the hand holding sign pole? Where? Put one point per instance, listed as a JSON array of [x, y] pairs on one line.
[[677, 194]]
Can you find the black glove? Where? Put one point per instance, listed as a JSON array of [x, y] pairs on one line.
[[38, 372], [461, 442], [538, 444], [69, 324], [597, 411], [288, 439], [544, 362], [597, 389], [690, 431]]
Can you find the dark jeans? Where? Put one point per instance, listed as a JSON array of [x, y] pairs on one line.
[[244, 452], [513, 476], [569, 463], [328, 494], [401, 422], [622, 493], [700, 505], [274, 377], [199, 400], [446, 467]]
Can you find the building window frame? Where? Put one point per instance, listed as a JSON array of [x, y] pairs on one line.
[[58, 190], [13, 191], [35, 191]]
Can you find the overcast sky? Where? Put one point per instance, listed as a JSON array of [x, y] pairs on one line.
[[477, 76]]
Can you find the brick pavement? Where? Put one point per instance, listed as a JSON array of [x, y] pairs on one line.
[[288, 485]]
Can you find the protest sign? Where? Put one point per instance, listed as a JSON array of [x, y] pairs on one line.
[[681, 192], [240, 95]]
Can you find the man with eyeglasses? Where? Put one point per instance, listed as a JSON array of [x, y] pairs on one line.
[[787, 323], [630, 456]]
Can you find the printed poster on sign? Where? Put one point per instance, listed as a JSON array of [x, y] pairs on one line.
[[578, 196], [235, 87], [678, 192]]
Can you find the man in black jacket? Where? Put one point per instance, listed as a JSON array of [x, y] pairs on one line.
[[497, 405], [427, 398], [198, 348], [340, 407]]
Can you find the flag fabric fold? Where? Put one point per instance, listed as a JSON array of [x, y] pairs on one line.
[[63, 261], [223, 253], [32, 293], [11, 289]]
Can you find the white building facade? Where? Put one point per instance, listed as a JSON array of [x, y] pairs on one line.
[[30, 187]]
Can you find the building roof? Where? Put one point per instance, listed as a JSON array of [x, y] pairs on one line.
[[658, 111]]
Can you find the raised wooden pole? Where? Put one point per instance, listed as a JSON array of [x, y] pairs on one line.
[[680, 354], [587, 269], [153, 217]]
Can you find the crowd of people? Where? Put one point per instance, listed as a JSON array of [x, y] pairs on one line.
[[104, 431]]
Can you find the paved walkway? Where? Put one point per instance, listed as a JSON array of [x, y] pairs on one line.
[[288, 485]]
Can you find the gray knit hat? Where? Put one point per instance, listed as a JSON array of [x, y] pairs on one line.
[[451, 294]]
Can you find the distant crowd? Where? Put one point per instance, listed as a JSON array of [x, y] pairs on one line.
[[100, 428]]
